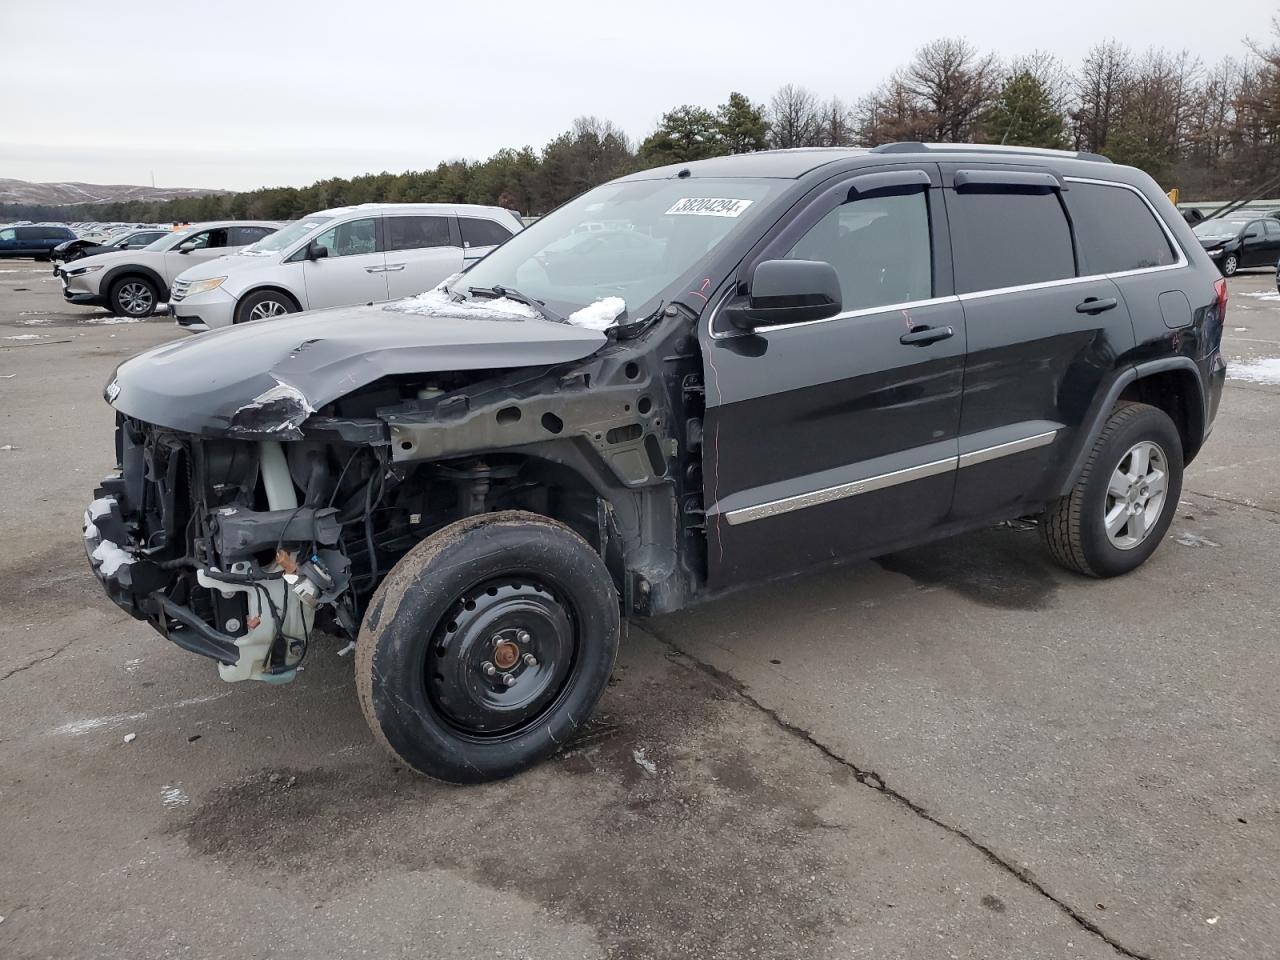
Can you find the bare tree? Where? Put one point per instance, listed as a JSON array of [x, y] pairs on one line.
[[835, 124], [794, 117], [954, 86], [1100, 87], [1051, 74]]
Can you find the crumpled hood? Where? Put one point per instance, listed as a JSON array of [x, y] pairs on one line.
[[264, 379]]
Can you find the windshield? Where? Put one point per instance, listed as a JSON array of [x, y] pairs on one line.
[[1218, 228], [622, 240], [285, 237]]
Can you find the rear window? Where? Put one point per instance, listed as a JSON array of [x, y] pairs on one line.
[[415, 233], [1115, 230], [1006, 238], [482, 233]]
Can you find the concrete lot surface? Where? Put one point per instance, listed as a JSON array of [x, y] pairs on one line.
[[955, 751]]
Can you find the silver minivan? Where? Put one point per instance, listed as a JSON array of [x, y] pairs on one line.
[[341, 257]]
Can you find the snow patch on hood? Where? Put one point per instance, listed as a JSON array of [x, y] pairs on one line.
[[438, 303], [600, 315]]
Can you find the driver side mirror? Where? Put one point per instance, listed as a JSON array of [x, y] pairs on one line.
[[787, 291], [316, 251], [186, 246]]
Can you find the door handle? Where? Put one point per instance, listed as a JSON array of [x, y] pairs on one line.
[[1093, 305], [923, 336], [375, 269], [392, 267]]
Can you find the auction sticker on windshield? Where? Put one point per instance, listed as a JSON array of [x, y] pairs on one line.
[[708, 207]]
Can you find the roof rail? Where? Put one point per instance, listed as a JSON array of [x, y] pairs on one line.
[[913, 146]]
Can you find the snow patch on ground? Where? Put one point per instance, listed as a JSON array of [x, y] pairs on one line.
[[437, 303], [78, 728], [647, 765], [1266, 370], [1195, 540], [26, 336], [173, 796], [600, 315], [1262, 295], [116, 320]]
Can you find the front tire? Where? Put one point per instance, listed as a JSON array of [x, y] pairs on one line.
[[487, 646], [1230, 264], [264, 305], [1124, 500], [134, 297]]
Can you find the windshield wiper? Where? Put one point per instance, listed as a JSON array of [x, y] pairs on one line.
[[497, 291]]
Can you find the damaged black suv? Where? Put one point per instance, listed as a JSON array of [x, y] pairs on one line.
[[684, 380]]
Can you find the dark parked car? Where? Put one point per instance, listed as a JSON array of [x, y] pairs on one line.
[[125, 240], [35, 241], [1237, 242], [839, 354]]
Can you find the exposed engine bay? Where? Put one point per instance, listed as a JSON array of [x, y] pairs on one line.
[[239, 543]]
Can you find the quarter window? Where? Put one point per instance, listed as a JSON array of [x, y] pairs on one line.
[[482, 233], [1115, 230], [414, 233], [1004, 238], [879, 247], [350, 239]]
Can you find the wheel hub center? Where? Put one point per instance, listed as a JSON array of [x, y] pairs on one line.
[[505, 655]]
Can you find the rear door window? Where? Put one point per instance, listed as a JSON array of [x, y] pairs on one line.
[[1004, 237], [415, 233], [1273, 229], [1115, 230], [482, 233], [879, 246]]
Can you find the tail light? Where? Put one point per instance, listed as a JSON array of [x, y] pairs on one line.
[[1220, 288]]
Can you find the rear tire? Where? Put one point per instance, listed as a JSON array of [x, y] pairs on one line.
[[264, 305], [487, 646], [134, 297], [1124, 500]]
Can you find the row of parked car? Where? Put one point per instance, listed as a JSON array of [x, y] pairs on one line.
[[228, 272], [223, 273]]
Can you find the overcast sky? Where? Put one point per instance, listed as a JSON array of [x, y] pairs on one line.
[[247, 93]]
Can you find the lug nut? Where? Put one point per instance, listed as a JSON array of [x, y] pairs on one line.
[[530, 660], [496, 639], [523, 636], [508, 680], [488, 668]]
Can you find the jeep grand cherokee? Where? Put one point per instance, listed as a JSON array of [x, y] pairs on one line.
[[686, 379]]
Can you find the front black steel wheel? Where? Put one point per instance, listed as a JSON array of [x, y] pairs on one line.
[[487, 646]]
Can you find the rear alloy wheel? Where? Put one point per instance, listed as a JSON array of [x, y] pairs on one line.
[[133, 297], [264, 305], [1230, 264], [487, 646], [1124, 500]]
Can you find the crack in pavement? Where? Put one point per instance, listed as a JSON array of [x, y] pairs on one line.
[[38, 660], [1234, 503], [869, 778]]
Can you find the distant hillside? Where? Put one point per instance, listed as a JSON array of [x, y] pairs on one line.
[[66, 194]]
